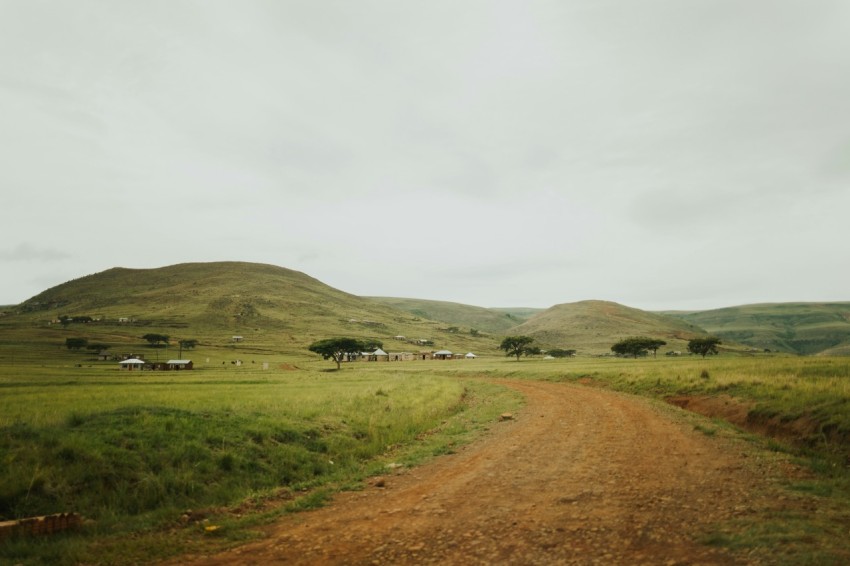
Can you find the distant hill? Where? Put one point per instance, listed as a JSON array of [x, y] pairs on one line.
[[280, 310], [273, 308], [518, 314], [494, 321], [591, 327], [799, 328]]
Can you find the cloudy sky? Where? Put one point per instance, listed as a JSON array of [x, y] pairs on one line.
[[683, 154]]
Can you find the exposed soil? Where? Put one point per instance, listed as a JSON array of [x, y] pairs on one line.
[[803, 431], [579, 476]]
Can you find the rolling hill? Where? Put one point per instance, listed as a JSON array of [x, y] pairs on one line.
[[799, 328], [494, 321], [273, 308], [591, 327], [280, 310]]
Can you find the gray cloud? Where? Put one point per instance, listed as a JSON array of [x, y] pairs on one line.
[[25, 252], [468, 152]]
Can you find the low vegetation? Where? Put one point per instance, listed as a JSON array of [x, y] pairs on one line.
[[133, 452], [518, 346], [237, 444]]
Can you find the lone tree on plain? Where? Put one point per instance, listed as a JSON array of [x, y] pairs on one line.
[[188, 344], [75, 343], [336, 348], [704, 346], [156, 339], [516, 345], [561, 353], [637, 346]]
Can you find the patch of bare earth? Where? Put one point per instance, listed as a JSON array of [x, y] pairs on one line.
[[579, 476]]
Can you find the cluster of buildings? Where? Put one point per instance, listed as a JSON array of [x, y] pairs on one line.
[[381, 356], [138, 364]]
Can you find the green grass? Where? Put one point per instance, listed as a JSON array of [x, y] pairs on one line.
[[240, 446], [132, 451]]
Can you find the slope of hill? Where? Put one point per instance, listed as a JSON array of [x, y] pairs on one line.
[[591, 327], [518, 314], [800, 328], [273, 308], [455, 314]]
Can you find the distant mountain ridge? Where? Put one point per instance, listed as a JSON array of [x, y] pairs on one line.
[[799, 328], [282, 309]]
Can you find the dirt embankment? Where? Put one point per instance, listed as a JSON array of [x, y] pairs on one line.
[[579, 476], [803, 431]]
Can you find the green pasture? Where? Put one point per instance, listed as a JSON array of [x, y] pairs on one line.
[[238, 445], [131, 451]]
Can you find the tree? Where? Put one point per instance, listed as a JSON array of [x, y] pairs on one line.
[[533, 351], [704, 346], [98, 347], [653, 344], [372, 344], [336, 348], [636, 346], [561, 353], [75, 343], [188, 344], [516, 345], [155, 339]]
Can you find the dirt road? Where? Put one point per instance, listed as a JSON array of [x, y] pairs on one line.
[[579, 476]]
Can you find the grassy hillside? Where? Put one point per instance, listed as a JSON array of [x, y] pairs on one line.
[[591, 327], [273, 308], [466, 317], [800, 328], [518, 314]]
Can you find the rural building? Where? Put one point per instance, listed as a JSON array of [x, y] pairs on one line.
[[131, 364], [470, 356], [179, 364], [402, 356], [104, 356], [443, 355], [378, 356], [236, 338]]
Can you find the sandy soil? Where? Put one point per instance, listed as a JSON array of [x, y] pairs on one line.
[[579, 476]]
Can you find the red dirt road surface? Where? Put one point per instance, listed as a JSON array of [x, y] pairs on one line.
[[579, 476]]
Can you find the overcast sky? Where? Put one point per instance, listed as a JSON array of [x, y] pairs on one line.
[[664, 154]]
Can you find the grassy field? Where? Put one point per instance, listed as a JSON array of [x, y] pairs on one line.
[[132, 451]]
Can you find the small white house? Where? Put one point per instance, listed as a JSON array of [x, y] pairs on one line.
[[237, 338], [470, 356], [131, 364]]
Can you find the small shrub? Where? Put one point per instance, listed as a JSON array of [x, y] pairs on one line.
[[704, 374]]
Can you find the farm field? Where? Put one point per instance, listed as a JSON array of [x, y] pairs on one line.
[[242, 446]]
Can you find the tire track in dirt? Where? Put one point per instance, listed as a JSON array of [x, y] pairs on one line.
[[581, 476]]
